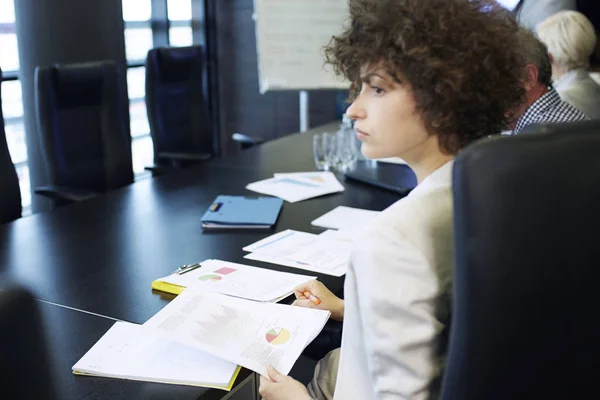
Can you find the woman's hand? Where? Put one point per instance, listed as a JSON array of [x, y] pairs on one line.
[[281, 387], [328, 300]]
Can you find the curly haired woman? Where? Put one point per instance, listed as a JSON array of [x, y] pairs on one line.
[[428, 78]]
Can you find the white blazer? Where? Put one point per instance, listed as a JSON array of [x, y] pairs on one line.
[[397, 297], [579, 89]]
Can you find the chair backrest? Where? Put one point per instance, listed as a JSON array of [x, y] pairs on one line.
[[84, 134], [24, 362], [176, 101], [10, 194], [524, 322]]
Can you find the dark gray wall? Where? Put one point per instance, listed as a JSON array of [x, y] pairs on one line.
[[242, 108], [63, 31]]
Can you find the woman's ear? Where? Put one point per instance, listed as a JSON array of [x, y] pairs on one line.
[[532, 75], [551, 58]]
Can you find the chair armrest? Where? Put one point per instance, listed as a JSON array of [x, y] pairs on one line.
[[190, 157], [65, 193], [246, 140], [159, 169]]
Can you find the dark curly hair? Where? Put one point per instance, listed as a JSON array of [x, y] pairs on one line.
[[457, 56]]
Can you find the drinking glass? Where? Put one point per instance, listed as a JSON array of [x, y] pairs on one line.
[[319, 153], [345, 148], [330, 149]]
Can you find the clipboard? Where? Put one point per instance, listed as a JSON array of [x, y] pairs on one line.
[[240, 212]]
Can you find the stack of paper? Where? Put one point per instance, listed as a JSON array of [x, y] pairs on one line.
[[298, 186], [201, 337], [248, 333], [130, 351], [345, 235], [345, 218], [325, 254], [233, 279]]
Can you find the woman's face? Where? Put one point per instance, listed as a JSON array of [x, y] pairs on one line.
[[387, 121]]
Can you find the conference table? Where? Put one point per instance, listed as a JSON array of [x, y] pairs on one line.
[[92, 263]]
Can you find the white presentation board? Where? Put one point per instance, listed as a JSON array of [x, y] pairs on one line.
[[290, 36]]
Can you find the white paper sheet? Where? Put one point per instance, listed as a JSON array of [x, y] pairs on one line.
[[320, 177], [337, 271], [244, 332], [346, 235], [294, 188], [129, 351], [239, 280], [303, 250], [345, 218]]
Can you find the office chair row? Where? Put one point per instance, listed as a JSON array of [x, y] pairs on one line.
[[83, 126], [525, 290]]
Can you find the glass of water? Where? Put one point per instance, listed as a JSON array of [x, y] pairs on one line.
[[319, 155], [330, 148], [345, 148]]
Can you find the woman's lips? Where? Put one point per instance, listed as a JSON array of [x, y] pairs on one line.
[[360, 135]]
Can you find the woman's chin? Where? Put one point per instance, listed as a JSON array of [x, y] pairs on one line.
[[372, 152]]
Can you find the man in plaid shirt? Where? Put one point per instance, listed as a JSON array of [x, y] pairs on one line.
[[542, 103]]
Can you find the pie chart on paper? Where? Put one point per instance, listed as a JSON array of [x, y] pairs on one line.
[[278, 336], [211, 278]]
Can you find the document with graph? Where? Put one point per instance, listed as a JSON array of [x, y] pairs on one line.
[[251, 334], [234, 279], [298, 186], [129, 351], [326, 254]]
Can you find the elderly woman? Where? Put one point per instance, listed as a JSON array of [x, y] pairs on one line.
[[571, 40], [428, 78]]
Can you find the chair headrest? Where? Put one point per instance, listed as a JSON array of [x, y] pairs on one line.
[[178, 63], [80, 85]]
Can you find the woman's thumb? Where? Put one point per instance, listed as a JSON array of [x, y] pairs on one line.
[[274, 375]]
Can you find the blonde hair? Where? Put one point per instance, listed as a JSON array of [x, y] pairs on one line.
[[570, 38]]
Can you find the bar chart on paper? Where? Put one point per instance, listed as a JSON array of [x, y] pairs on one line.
[[278, 336]]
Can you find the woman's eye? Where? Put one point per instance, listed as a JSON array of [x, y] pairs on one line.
[[378, 90]]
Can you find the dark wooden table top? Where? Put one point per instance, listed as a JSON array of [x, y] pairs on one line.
[[101, 255]]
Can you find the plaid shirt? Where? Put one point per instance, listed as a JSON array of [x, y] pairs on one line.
[[549, 109]]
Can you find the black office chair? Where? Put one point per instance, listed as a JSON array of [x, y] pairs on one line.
[[177, 107], [24, 362], [527, 246], [10, 194], [83, 131]]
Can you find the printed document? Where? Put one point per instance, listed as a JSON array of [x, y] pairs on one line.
[[298, 186], [327, 255], [244, 332], [129, 351], [239, 280], [320, 177], [345, 218]]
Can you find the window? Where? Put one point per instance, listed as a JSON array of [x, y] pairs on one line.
[[138, 29], [140, 18], [139, 38], [12, 104], [180, 19], [9, 56]]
